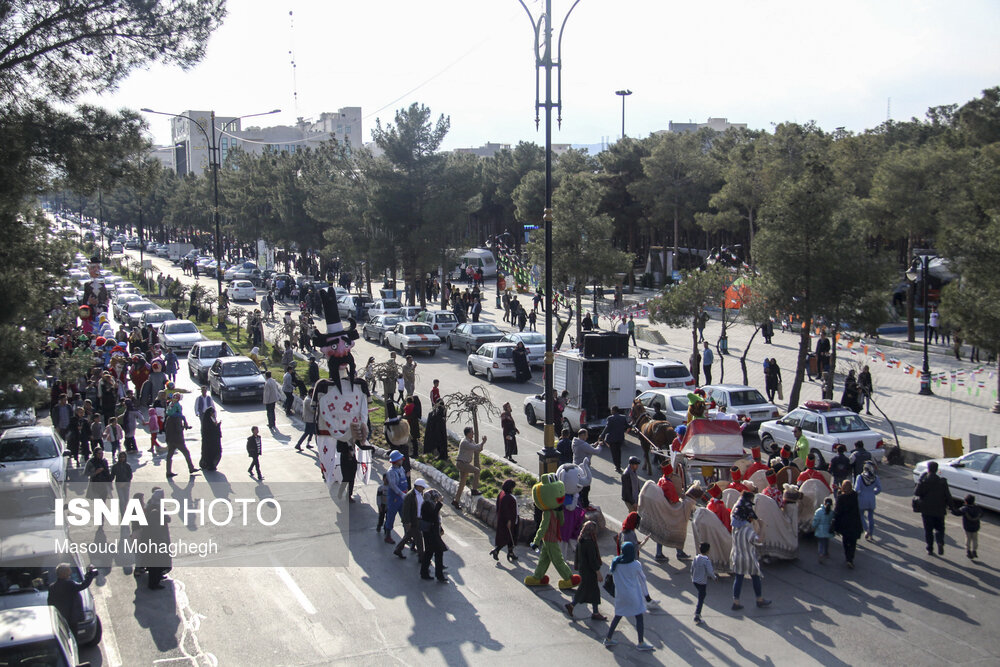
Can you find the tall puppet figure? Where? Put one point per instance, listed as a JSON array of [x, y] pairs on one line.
[[343, 399], [549, 495]]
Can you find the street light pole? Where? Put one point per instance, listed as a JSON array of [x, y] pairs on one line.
[[912, 275], [542, 27], [623, 94]]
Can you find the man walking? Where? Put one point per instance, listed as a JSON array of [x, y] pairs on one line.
[[288, 388], [465, 461], [706, 362], [203, 402], [614, 435], [255, 447], [865, 385], [396, 492], [935, 496], [630, 484], [409, 515], [859, 457], [272, 394]]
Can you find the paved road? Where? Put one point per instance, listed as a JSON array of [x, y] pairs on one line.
[[899, 605]]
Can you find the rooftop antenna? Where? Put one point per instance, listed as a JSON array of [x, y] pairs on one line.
[[291, 55], [888, 110]]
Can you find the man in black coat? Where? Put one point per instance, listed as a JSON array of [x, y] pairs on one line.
[[409, 515], [935, 497], [614, 435], [64, 594]]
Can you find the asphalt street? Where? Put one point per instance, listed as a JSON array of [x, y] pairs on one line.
[[899, 605]]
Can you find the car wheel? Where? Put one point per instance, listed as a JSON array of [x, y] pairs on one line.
[[432, 352], [98, 633], [768, 444], [566, 424], [472, 371], [469, 349], [529, 412], [449, 343], [403, 350], [489, 375]]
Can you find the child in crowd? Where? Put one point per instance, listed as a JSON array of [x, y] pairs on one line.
[[380, 499], [823, 528], [701, 570], [971, 514]]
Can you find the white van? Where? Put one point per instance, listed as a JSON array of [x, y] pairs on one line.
[[480, 258]]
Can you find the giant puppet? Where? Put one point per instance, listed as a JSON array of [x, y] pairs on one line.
[[343, 399]]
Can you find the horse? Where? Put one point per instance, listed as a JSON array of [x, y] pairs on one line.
[[652, 433]]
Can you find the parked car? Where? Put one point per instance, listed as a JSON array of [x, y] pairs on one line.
[[385, 307], [472, 335], [354, 306], [179, 335], [37, 636], [977, 473], [441, 322], [28, 447], [375, 328], [533, 341], [236, 378], [825, 424], [241, 290], [492, 360], [409, 313], [133, 310], [742, 401], [410, 337], [203, 355], [156, 317], [662, 374], [239, 270], [673, 404]]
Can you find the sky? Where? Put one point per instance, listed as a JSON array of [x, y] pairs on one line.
[[851, 64]]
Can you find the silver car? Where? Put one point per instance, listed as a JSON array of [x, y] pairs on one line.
[[492, 360], [179, 335], [27, 447]]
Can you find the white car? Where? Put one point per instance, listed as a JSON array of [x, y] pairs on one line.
[[744, 402], [492, 360], [534, 343], [27, 447], [442, 322], [241, 290], [412, 337], [179, 335], [120, 301], [384, 307], [409, 313], [977, 473], [673, 403], [825, 425], [133, 310], [662, 374], [156, 317]]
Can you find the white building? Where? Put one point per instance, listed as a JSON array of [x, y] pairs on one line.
[[717, 124]]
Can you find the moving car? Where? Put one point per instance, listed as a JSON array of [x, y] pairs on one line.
[[412, 337], [977, 473], [203, 355], [441, 322], [375, 328], [241, 290], [179, 335], [132, 310], [384, 307], [472, 335], [825, 424], [409, 313], [236, 378], [37, 636], [116, 248], [26, 447], [27, 493], [744, 402], [533, 341], [121, 300], [662, 374], [493, 360], [240, 271], [156, 317], [15, 408]]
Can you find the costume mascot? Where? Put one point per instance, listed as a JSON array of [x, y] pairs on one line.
[[343, 399], [549, 495], [574, 477]]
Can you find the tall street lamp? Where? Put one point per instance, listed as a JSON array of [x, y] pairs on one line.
[[623, 94], [918, 271], [213, 161], [542, 27]]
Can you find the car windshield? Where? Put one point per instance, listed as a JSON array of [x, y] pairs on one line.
[[32, 501], [670, 371], [140, 306], [845, 424], [532, 338], [28, 448], [483, 329], [180, 327], [210, 352], [421, 329], [390, 321], [746, 397], [445, 318], [391, 303], [240, 369], [159, 317]]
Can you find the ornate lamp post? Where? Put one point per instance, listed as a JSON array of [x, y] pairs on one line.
[[918, 271], [623, 94]]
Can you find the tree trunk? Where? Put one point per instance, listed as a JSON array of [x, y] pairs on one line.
[[800, 366], [743, 358], [579, 322], [828, 381], [749, 239]]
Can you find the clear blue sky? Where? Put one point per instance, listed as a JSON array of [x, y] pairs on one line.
[[758, 62]]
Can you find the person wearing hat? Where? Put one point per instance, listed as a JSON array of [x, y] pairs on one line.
[[736, 479], [396, 490], [756, 465], [678, 443], [717, 507], [670, 493], [782, 460], [772, 491], [409, 516], [631, 484], [811, 473]]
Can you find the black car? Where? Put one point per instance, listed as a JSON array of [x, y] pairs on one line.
[[236, 378]]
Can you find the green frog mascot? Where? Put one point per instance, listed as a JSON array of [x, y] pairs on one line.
[[548, 495]]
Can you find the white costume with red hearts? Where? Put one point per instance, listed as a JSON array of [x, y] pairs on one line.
[[338, 409]]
